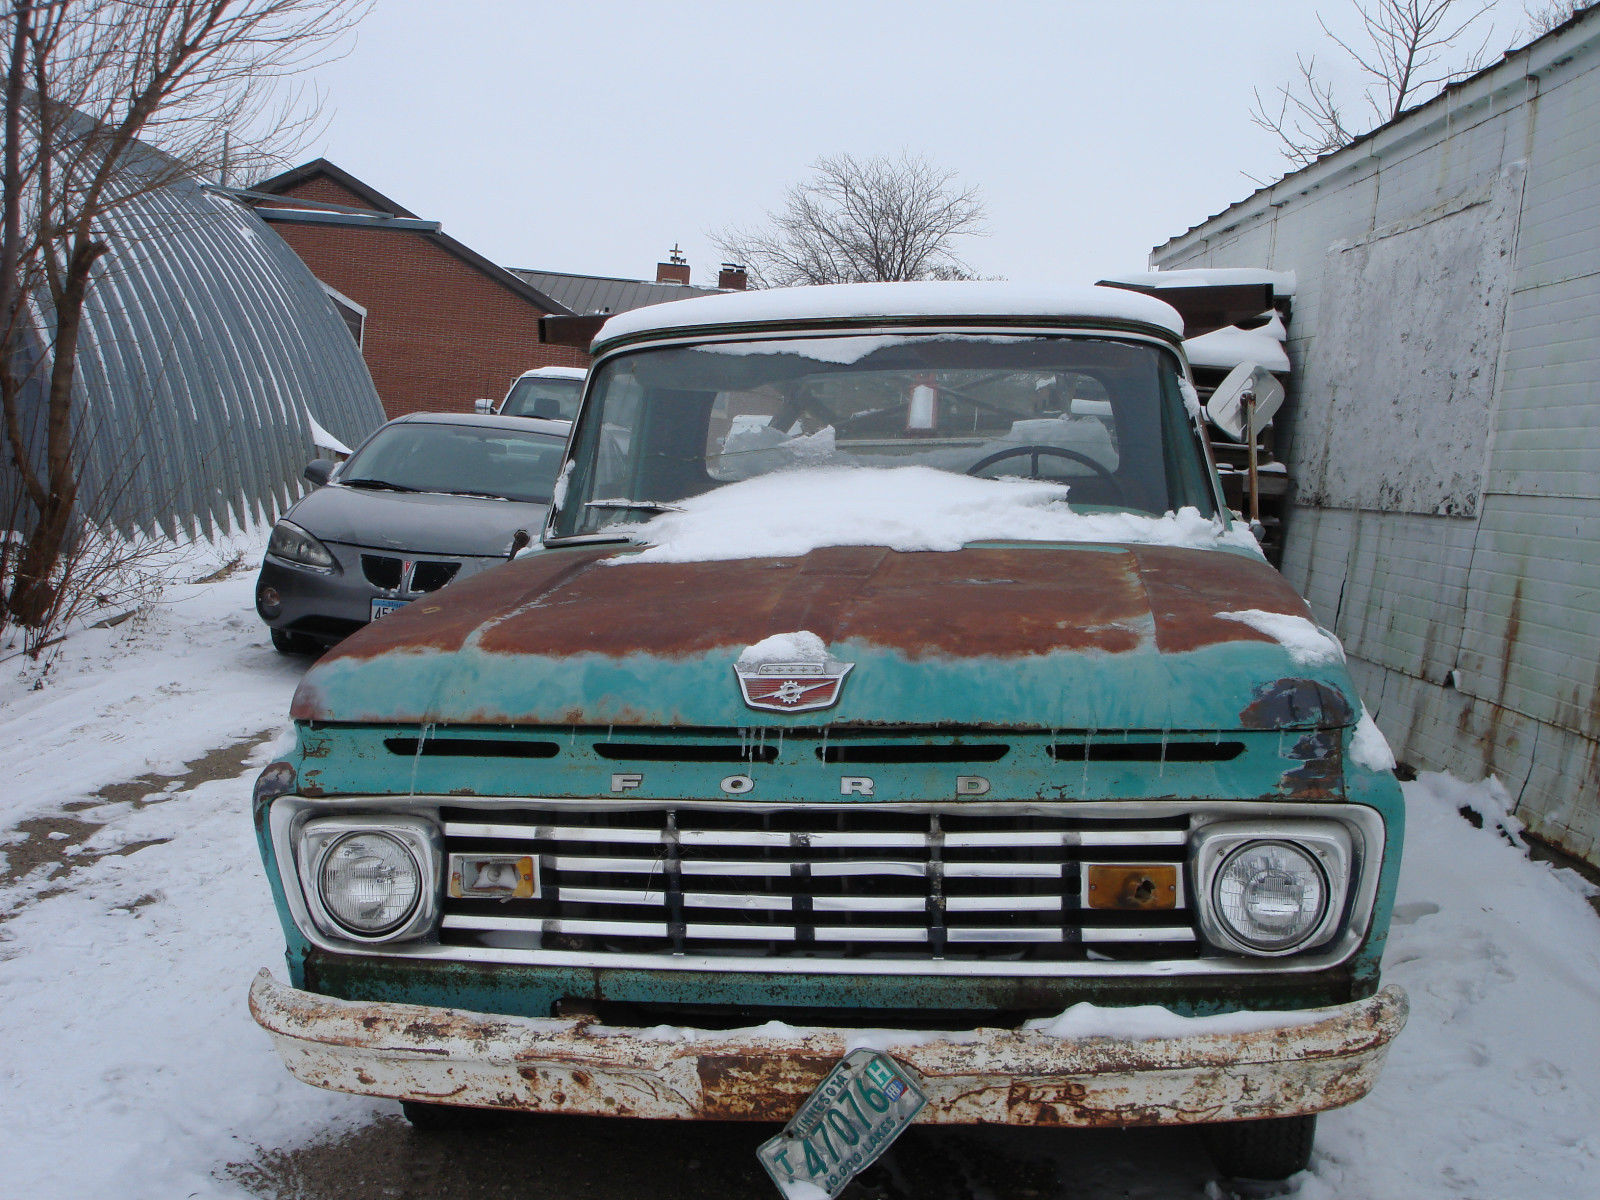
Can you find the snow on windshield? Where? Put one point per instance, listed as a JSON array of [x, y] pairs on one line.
[[904, 508]]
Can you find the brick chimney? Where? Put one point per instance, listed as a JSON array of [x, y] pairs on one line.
[[675, 269], [732, 278]]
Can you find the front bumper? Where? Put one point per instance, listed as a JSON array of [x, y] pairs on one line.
[[1316, 1060]]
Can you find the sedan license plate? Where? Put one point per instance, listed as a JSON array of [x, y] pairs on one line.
[[865, 1102], [382, 608]]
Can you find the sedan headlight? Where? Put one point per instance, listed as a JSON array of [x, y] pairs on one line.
[[293, 544], [371, 879], [1272, 889]]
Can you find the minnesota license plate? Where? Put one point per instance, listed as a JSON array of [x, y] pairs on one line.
[[382, 608], [865, 1102]]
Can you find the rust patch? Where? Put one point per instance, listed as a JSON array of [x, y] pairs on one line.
[[1000, 602], [1188, 588], [1296, 704], [759, 1086], [1320, 775]]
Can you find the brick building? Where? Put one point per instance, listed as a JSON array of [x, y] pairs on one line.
[[438, 324]]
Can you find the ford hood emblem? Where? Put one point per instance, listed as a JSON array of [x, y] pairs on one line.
[[790, 672]]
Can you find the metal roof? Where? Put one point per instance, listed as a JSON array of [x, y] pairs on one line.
[[604, 294], [209, 350]]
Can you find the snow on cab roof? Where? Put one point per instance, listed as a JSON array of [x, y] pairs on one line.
[[554, 373], [1283, 282], [898, 300]]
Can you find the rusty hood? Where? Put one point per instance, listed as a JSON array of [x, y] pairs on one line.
[[1014, 636]]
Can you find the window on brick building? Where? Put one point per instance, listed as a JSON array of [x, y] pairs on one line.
[[354, 315]]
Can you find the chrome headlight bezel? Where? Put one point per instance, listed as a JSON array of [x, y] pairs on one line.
[[1327, 844], [419, 837], [291, 544]]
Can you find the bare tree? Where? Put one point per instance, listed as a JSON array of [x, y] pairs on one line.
[[106, 101], [860, 221], [1407, 52], [1542, 18]]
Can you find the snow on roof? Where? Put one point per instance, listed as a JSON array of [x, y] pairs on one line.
[[1283, 282], [929, 299], [555, 373]]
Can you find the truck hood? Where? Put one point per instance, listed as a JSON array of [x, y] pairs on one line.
[[1049, 637]]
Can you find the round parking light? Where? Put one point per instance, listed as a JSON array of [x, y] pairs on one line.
[[370, 883], [1270, 895]]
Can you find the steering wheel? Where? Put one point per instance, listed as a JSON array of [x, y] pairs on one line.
[[1036, 452]]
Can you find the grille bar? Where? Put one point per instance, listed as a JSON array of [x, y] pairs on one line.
[[817, 881]]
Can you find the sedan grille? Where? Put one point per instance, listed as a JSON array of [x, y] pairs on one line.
[[388, 572], [836, 882]]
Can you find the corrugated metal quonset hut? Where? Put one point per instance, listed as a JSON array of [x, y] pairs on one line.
[[213, 366], [1445, 436]]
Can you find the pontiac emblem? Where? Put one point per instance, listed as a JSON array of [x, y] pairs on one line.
[[790, 672]]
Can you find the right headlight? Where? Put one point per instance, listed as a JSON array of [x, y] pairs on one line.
[[1273, 888], [293, 544], [370, 879]]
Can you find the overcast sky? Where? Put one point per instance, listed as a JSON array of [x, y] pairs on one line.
[[592, 137]]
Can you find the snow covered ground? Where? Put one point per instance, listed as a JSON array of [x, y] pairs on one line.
[[131, 1068]]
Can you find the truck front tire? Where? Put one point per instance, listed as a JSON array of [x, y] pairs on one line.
[[1272, 1149]]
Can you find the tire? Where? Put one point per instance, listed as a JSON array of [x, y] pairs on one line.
[[285, 642], [445, 1118], [1272, 1149]]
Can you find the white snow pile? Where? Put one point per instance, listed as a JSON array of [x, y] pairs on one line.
[[1228, 347], [1368, 747], [790, 513], [1306, 642], [801, 646]]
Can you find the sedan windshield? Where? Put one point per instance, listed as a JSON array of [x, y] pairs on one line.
[[466, 460], [1105, 418]]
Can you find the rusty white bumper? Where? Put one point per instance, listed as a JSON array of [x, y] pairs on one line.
[[1328, 1057]]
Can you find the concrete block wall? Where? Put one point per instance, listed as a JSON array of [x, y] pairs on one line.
[[1464, 579]]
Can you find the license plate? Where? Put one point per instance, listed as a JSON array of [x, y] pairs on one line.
[[866, 1102], [382, 608]]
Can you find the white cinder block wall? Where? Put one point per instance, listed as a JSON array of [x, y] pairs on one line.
[[1444, 435]]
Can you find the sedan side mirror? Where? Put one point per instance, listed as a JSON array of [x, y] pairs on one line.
[[318, 470]]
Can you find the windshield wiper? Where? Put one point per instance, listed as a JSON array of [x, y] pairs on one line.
[[382, 485], [655, 506], [485, 495]]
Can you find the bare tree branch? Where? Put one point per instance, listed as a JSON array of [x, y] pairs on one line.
[[861, 220], [1407, 52], [106, 101]]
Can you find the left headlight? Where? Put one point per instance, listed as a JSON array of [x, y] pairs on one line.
[[1272, 889], [293, 544], [370, 879]]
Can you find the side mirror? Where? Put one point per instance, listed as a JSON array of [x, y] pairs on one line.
[[483, 405], [318, 470], [1249, 396]]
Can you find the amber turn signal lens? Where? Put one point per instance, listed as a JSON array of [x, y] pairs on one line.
[[1131, 887]]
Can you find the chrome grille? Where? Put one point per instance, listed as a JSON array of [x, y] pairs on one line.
[[840, 881]]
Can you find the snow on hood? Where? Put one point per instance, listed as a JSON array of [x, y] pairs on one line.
[[792, 513], [931, 299]]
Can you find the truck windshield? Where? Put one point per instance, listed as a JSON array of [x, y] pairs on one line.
[[1104, 417], [533, 397]]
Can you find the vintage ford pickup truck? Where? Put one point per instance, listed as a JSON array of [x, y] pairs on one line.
[[889, 662]]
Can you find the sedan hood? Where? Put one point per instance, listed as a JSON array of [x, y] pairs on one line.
[[1094, 637], [418, 522]]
